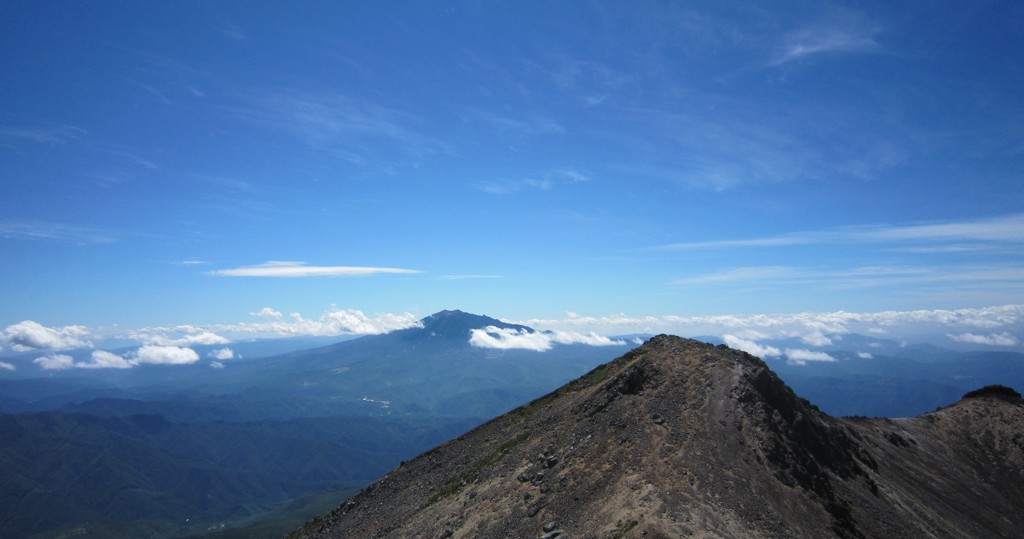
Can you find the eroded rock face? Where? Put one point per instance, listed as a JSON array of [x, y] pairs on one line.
[[680, 438]]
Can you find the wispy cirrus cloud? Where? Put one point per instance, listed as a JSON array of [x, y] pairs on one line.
[[1008, 275], [356, 130], [291, 269], [543, 181], [52, 134], [506, 187], [41, 230], [514, 127], [1003, 229], [846, 33], [233, 32]]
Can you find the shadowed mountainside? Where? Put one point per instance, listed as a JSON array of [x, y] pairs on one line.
[[681, 438]]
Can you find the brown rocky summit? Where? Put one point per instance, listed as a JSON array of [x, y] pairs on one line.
[[680, 438]]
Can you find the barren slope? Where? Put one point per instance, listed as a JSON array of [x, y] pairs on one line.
[[679, 438]]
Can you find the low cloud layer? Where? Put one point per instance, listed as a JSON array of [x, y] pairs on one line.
[[101, 359], [28, 335], [997, 325], [751, 347], [801, 356], [333, 322], [185, 335], [992, 339], [516, 339], [165, 355]]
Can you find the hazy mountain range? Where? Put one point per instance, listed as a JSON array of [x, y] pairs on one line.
[[176, 450]]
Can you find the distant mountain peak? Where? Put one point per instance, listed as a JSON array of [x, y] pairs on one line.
[[456, 324]]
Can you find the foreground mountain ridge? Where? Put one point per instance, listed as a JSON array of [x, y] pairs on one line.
[[679, 438]]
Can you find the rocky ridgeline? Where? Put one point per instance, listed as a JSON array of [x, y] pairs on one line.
[[681, 438]]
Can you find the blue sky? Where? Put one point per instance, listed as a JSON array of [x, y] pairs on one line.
[[173, 164]]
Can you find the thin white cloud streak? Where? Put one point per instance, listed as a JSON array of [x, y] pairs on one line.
[[288, 269], [870, 276], [52, 135], [513, 127], [1004, 229], [468, 277], [506, 187], [7, 366], [824, 39], [30, 335], [541, 182], [994, 339], [521, 339], [38, 230]]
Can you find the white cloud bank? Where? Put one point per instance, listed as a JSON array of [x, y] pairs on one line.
[[28, 335], [101, 359], [185, 335], [521, 339], [813, 328], [333, 322], [288, 269]]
